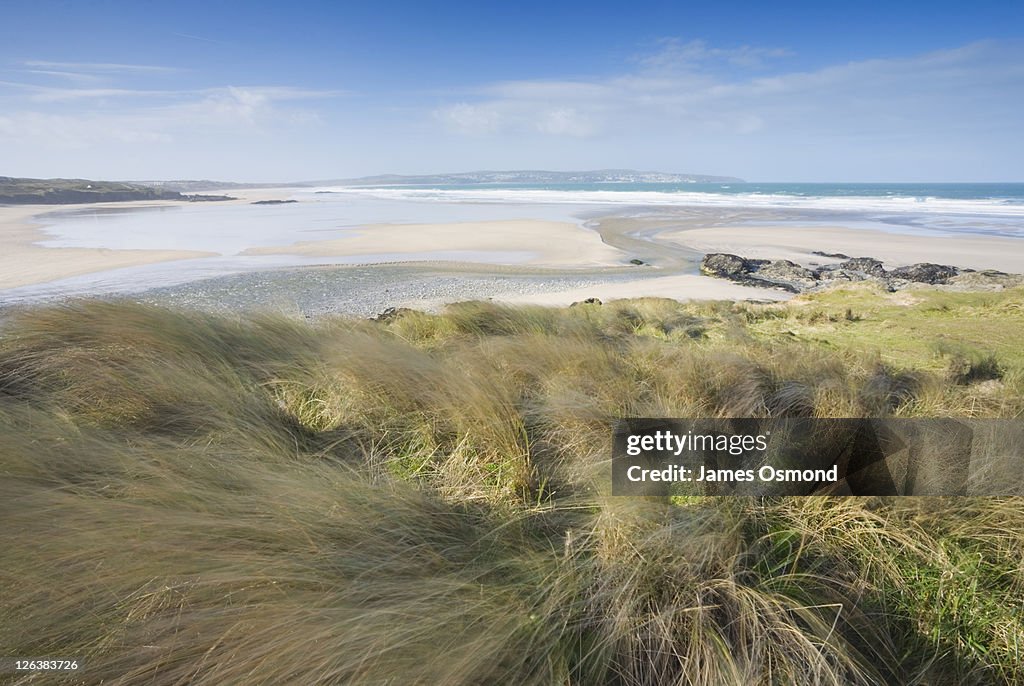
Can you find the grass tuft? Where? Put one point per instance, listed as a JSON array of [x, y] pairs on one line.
[[200, 499]]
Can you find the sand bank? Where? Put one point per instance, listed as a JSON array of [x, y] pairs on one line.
[[22, 262], [548, 243], [894, 249]]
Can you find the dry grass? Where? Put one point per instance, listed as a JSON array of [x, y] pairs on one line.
[[193, 499]]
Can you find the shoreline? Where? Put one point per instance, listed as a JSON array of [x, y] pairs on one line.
[[589, 258], [894, 249], [25, 263]]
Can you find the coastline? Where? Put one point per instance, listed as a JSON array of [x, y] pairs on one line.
[[527, 260], [25, 263]]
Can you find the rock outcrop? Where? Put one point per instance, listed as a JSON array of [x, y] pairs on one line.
[[790, 276], [763, 273], [925, 272], [867, 265], [724, 265]]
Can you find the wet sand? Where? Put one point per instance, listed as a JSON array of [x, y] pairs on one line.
[[547, 243], [893, 249], [23, 262]]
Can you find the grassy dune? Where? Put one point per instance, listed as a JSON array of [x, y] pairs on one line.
[[194, 499]]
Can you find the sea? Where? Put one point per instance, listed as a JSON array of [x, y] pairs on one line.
[[1000, 193], [929, 200], [327, 212]]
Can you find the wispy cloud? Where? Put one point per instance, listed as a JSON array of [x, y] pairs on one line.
[[673, 53], [682, 91], [263, 93], [103, 102], [88, 117], [100, 67], [203, 39], [36, 93], [75, 77]]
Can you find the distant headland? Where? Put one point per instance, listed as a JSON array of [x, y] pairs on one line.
[[28, 191], [20, 191], [539, 176]]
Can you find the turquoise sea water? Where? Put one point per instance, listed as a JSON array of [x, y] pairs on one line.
[[1006, 193], [916, 202]]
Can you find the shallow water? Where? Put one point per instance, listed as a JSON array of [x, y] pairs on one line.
[[228, 229], [323, 214]]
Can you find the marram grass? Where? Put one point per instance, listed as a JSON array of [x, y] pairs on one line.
[[189, 499]]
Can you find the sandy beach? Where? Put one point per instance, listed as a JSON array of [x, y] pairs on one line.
[[548, 243], [526, 260], [22, 262], [894, 249], [677, 287]]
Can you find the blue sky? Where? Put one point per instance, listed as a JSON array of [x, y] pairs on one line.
[[285, 91]]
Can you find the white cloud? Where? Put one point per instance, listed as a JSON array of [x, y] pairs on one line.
[[913, 95], [473, 120], [88, 117], [566, 121], [88, 106], [60, 131]]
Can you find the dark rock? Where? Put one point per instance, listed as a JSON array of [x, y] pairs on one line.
[[272, 202], [792, 277], [637, 262], [724, 265], [207, 198], [868, 265], [837, 255], [837, 275], [925, 272], [784, 270], [783, 274]]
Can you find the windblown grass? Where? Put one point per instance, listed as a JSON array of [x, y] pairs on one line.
[[194, 499]]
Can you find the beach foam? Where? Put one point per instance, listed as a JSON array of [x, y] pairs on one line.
[[999, 207]]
